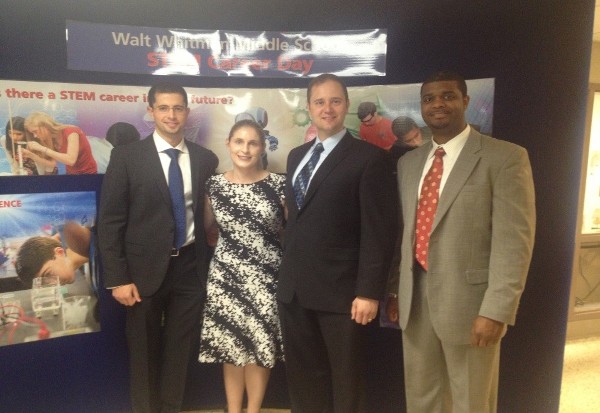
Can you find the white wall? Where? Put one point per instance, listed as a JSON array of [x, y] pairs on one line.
[[595, 63], [588, 328]]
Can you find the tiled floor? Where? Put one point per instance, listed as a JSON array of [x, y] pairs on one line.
[[580, 390], [580, 386]]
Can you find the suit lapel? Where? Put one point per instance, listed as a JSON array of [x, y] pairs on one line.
[[337, 154], [155, 170], [296, 157], [292, 164], [468, 158], [195, 171], [412, 172]]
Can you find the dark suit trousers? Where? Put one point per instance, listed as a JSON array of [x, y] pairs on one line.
[[324, 360], [160, 332]]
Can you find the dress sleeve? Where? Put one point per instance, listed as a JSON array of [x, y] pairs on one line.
[[208, 186], [281, 187]]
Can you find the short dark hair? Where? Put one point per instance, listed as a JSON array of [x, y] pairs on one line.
[[166, 87], [402, 125], [121, 133], [32, 256], [447, 76], [365, 109], [325, 77], [18, 124]]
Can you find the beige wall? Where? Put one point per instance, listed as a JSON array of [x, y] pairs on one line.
[[588, 328], [595, 63]]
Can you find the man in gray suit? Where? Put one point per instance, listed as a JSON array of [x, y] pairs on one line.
[[461, 278]]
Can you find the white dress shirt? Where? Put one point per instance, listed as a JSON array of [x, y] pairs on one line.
[[453, 148], [186, 172], [328, 145]]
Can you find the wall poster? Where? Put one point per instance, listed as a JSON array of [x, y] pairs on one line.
[[48, 266], [99, 110], [51, 300]]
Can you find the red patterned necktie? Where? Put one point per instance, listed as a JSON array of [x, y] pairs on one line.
[[428, 201]]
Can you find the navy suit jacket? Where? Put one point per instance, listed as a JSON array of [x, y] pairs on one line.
[[339, 244], [136, 226]]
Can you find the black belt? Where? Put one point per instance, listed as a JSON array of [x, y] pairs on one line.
[[175, 252]]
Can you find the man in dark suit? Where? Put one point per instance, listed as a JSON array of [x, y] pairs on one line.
[[463, 271], [338, 244], [155, 267]]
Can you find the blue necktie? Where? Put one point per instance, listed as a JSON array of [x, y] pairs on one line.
[[301, 183], [177, 198]]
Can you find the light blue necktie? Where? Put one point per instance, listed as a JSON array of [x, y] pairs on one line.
[[301, 183], [177, 198]]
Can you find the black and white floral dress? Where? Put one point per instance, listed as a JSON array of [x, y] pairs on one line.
[[241, 323]]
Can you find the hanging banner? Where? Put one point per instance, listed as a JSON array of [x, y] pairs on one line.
[[100, 109], [160, 51]]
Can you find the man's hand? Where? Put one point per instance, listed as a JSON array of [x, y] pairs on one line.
[[364, 310], [486, 332], [126, 294], [391, 308]]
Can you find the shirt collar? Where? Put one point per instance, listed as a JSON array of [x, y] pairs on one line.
[[330, 142], [454, 145], [162, 145]]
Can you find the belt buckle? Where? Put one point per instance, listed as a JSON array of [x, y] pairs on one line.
[[175, 252]]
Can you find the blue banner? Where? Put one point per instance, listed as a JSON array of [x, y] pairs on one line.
[[159, 51]]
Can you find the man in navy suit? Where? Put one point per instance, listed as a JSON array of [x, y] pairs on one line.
[[338, 243], [161, 283]]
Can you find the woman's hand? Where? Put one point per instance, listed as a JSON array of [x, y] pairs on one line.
[[28, 154], [35, 146]]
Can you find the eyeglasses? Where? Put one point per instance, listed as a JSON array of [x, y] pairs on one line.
[[166, 109]]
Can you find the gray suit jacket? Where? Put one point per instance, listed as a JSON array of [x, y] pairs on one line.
[[481, 240]]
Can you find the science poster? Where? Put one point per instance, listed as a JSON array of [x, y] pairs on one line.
[[98, 109], [48, 274]]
